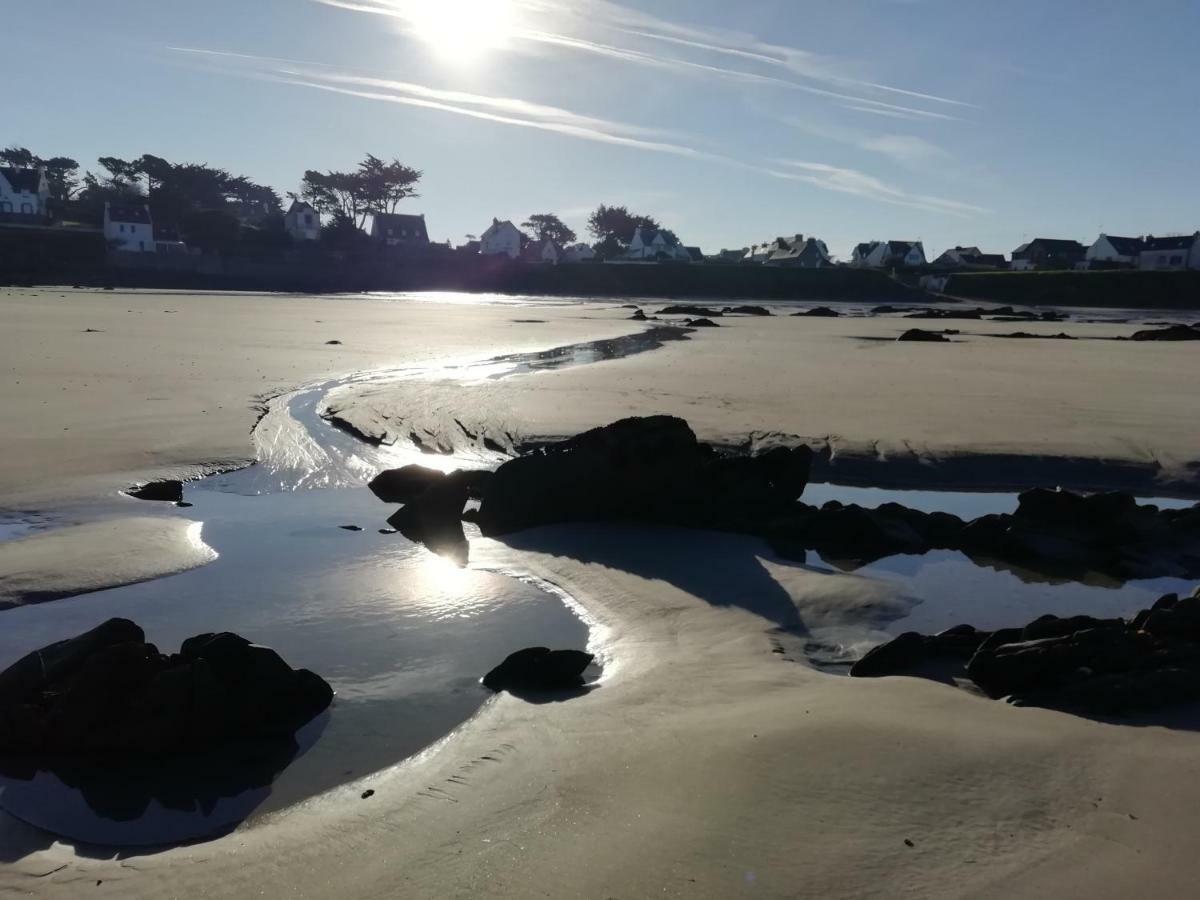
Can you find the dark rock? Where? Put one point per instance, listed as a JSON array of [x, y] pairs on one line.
[[333, 343], [689, 310], [435, 519], [911, 650], [638, 316], [350, 527], [645, 470], [404, 484], [746, 310], [1172, 333], [947, 314], [368, 794], [184, 505], [888, 309], [161, 491], [109, 692], [823, 312], [916, 334], [1061, 336], [701, 323], [539, 669]]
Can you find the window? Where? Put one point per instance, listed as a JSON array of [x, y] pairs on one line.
[[122, 229], [27, 208], [1176, 260], [308, 220]]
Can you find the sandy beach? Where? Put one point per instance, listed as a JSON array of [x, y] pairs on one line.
[[711, 760]]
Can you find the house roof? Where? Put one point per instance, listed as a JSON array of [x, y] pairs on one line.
[[1179, 242], [900, 248], [22, 179], [865, 249], [649, 236], [397, 221], [695, 253], [1126, 246], [1056, 244], [299, 206], [990, 259], [128, 212]]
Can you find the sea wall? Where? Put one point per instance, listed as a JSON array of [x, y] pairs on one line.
[[1132, 289]]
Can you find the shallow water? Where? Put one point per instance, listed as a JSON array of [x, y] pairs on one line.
[[948, 588]]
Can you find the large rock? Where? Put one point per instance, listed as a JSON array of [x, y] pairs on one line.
[[404, 484], [167, 491], [746, 310], [435, 519], [643, 470], [1171, 333], [109, 692], [929, 337], [539, 669], [689, 310], [910, 650]]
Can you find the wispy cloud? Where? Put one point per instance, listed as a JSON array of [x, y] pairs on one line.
[[578, 27], [522, 113], [860, 184], [905, 148]]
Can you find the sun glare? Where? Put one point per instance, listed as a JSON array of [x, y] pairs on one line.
[[462, 30]]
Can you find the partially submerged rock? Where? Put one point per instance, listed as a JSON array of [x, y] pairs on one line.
[[166, 491], [820, 312], [746, 310], [407, 483], [539, 669], [689, 310], [107, 691], [1078, 664], [701, 323], [435, 519]]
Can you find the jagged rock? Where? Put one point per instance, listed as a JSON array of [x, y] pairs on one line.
[[539, 669], [910, 650], [109, 692], [167, 491], [916, 334], [1171, 333], [701, 323], [644, 470], [638, 316]]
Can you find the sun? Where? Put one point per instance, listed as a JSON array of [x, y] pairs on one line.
[[462, 31]]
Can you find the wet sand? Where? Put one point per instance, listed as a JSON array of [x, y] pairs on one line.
[[704, 765]]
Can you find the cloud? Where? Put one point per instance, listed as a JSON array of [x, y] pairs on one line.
[[521, 113], [861, 184], [904, 148], [575, 27]]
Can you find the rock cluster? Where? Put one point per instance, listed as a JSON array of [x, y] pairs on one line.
[[1170, 333], [108, 692], [1079, 664]]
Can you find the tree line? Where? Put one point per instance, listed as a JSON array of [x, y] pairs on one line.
[[209, 207]]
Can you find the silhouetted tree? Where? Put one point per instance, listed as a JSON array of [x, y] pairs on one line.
[[62, 172], [374, 187], [549, 226], [613, 228], [384, 185]]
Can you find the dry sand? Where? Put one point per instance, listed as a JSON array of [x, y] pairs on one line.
[[705, 765]]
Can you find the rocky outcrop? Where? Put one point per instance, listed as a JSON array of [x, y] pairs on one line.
[[746, 310], [701, 323], [1171, 333], [435, 518], [539, 669], [689, 310], [643, 470], [166, 491], [406, 484], [109, 692], [1079, 664], [916, 334], [819, 312]]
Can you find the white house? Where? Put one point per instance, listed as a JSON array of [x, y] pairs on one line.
[[543, 251], [578, 253], [302, 222], [1111, 249], [895, 254], [129, 227], [862, 253], [1181, 252], [655, 244], [799, 253], [24, 192], [501, 239]]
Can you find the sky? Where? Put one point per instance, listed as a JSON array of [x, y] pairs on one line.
[[948, 121]]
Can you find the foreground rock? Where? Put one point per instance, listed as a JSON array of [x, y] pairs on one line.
[[685, 310], [539, 669], [406, 484], [109, 692], [167, 491], [435, 519], [1080, 664], [701, 323], [820, 312], [643, 470]]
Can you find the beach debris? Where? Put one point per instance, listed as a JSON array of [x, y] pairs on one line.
[[1079, 664], [368, 794], [908, 843], [333, 343], [702, 323], [746, 310], [820, 312], [650, 469], [539, 669], [1170, 333], [108, 691], [166, 491], [917, 334]]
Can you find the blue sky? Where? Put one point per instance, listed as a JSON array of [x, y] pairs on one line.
[[949, 121]]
